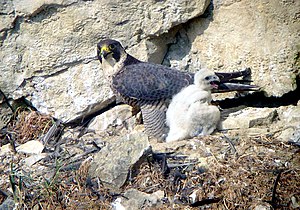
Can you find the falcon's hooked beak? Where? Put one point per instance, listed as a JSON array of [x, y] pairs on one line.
[[103, 51]]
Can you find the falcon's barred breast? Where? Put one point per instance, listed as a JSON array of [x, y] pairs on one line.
[[150, 86]]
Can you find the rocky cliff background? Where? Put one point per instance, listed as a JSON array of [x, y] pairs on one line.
[[48, 46], [48, 63]]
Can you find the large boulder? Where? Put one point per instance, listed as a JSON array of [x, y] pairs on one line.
[[262, 35], [113, 163], [48, 48]]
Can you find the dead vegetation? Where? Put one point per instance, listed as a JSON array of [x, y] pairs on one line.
[[28, 125], [233, 181], [256, 170]]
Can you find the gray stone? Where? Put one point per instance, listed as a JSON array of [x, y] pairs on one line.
[[248, 118], [8, 204], [5, 149], [48, 52], [264, 206], [113, 163], [5, 115], [295, 136], [295, 203], [289, 123], [31, 147], [289, 114], [262, 35], [116, 118], [31, 160], [134, 199]]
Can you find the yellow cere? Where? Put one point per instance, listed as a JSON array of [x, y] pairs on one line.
[[105, 48]]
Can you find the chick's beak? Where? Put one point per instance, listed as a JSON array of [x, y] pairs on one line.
[[215, 84]]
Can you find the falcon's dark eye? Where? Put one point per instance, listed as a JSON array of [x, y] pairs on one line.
[[111, 46], [207, 78]]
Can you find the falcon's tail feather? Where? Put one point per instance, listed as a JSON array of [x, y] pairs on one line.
[[225, 77], [227, 87]]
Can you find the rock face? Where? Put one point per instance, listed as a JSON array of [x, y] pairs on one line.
[[114, 119], [262, 35], [282, 122], [112, 164], [289, 123], [48, 48], [31, 147], [248, 118]]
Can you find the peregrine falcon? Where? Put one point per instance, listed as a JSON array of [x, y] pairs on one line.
[[190, 112], [150, 86]]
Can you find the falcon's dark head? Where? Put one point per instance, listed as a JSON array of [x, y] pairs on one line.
[[109, 49]]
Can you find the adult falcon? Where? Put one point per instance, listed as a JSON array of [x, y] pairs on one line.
[[151, 86]]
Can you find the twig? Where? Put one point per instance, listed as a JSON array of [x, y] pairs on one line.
[[162, 159], [273, 200], [224, 201], [6, 100], [174, 165], [5, 194], [230, 143], [205, 202], [75, 163], [51, 132]]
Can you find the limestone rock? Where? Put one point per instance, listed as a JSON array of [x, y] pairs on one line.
[[248, 118], [117, 118], [290, 133], [28, 7], [289, 114], [8, 203], [5, 115], [289, 123], [264, 206], [113, 162], [262, 35], [7, 17], [134, 199], [31, 147], [29, 161], [5, 149], [48, 52], [71, 95]]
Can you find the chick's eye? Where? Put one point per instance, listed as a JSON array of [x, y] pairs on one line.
[[111, 46], [206, 78]]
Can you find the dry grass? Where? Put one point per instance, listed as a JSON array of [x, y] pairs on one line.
[[28, 125], [235, 181], [231, 180]]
